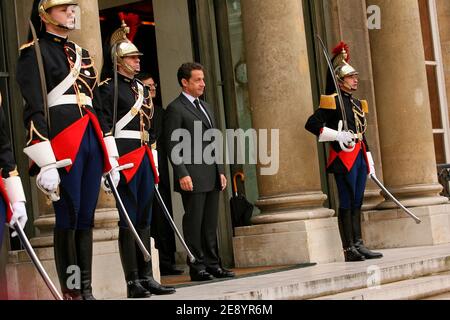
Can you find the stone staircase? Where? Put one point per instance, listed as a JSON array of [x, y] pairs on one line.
[[412, 289], [404, 273]]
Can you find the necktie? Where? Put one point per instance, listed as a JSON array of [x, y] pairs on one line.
[[197, 105], [204, 115]]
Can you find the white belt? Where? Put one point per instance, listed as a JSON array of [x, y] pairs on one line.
[[72, 99], [131, 134]]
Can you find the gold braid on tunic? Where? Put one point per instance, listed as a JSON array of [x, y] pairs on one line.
[[360, 120]]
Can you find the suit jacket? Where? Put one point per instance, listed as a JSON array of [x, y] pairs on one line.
[[182, 114]]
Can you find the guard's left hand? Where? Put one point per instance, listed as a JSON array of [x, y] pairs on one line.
[[115, 173], [19, 215], [223, 182]]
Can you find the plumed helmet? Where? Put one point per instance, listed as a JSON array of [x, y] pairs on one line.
[[121, 46], [340, 60]]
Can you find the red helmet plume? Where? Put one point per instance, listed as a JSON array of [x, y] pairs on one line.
[[133, 21], [342, 46]]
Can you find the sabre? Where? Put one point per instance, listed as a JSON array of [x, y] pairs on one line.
[[40, 64], [116, 90], [172, 224], [124, 213], [339, 94], [386, 191], [37, 263]]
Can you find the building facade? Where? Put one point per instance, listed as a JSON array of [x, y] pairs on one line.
[[265, 71]]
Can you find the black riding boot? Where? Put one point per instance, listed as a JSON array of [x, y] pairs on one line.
[[127, 249], [346, 231], [145, 268], [357, 237], [65, 259], [84, 243]]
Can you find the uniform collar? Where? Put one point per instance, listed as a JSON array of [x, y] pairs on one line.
[[125, 78], [346, 94], [55, 38]]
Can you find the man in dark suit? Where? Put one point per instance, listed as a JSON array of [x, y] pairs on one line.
[[198, 181]]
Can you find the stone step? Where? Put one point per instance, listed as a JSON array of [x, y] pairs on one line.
[[443, 296], [420, 288], [323, 280]]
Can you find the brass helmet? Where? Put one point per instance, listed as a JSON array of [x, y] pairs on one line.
[[341, 66], [122, 47], [44, 5]]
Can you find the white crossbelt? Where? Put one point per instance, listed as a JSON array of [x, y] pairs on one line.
[[72, 99], [57, 92], [126, 119]]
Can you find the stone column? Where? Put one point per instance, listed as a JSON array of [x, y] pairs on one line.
[[405, 130], [293, 223], [89, 36], [406, 138], [354, 32]]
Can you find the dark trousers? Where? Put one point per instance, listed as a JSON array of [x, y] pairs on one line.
[[200, 226], [351, 186], [80, 187], [2, 219], [137, 195]]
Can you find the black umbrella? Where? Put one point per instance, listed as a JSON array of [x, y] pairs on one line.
[[241, 209]]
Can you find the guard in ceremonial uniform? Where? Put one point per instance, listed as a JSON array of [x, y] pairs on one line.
[[62, 116], [132, 132], [349, 157], [12, 197]]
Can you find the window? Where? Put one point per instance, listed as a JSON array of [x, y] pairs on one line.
[[436, 80]]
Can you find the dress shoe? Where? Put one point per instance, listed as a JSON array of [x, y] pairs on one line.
[[170, 271], [135, 290], [368, 254], [221, 273], [201, 276], [351, 254], [87, 296], [155, 288], [72, 296]]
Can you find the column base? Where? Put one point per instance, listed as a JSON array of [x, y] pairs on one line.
[[419, 195], [395, 229], [106, 221], [287, 243], [372, 198], [108, 282]]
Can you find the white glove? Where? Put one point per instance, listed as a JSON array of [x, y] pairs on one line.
[[115, 173], [328, 134], [345, 137], [48, 179], [19, 215], [371, 163]]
